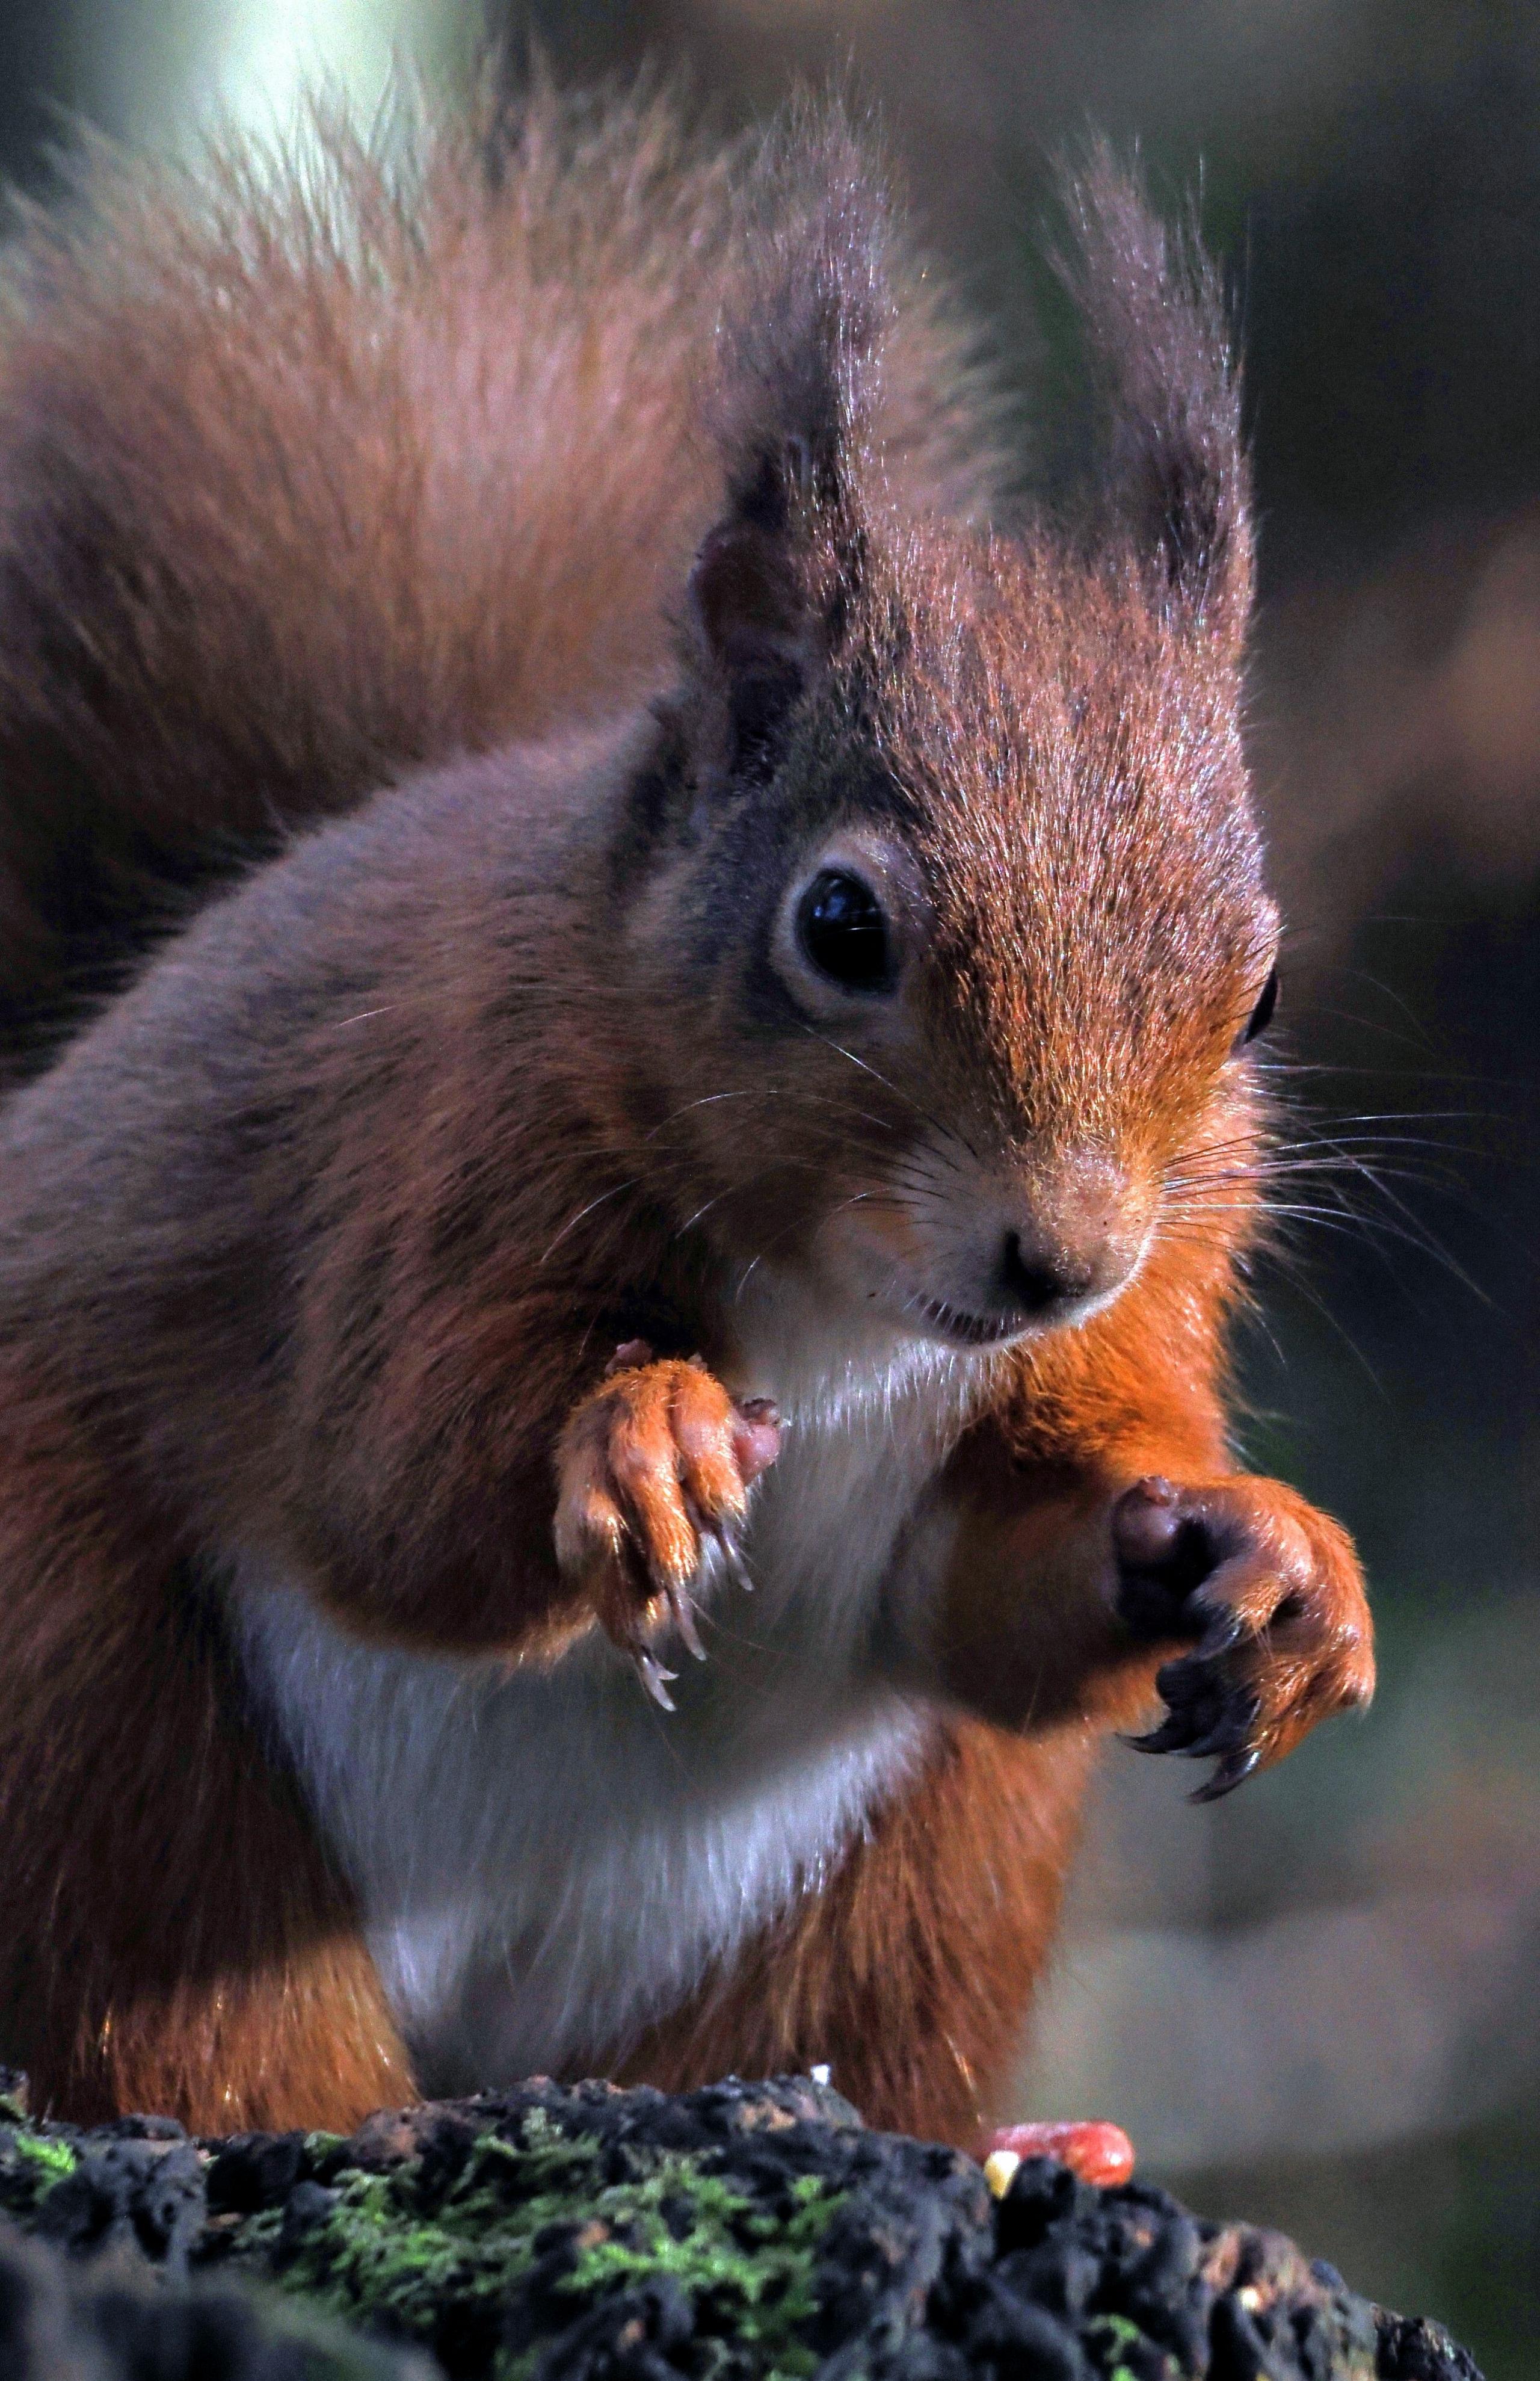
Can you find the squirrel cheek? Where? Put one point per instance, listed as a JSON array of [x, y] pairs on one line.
[[861, 1248]]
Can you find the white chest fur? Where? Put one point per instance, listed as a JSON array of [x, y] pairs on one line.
[[545, 1861]]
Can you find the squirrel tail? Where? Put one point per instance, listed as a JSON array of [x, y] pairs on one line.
[[319, 464]]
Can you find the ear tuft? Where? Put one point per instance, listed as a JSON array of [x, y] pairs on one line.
[[798, 384], [1159, 340], [799, 358]]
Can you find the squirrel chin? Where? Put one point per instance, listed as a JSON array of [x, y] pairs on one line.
[[816, 1351]]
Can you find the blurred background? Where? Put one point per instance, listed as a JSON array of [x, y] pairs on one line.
[[1316, 2004]]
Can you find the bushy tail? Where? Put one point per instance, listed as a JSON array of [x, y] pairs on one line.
[[316, 467]]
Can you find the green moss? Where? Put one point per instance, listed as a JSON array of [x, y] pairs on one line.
[[388, 2249], [1109, 2337], [762, 2292], [56, 2158], [30, 2163]]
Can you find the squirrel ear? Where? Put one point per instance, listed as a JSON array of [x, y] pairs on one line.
[[755, 631], [747, 599], [1160, 342], [798, 359]]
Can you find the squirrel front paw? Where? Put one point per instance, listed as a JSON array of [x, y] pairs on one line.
[[1272, 1593], [653, 1468]]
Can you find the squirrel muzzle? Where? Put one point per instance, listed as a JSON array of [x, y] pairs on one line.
[[976, 1255]]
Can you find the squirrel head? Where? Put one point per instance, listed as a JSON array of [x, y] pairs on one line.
[[950, 904]]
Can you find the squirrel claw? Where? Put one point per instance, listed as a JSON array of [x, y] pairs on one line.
[[731, 1556], [1231, 1733], [1168, 1735], [683, 1611], [654, 1677], [1232, 1771]]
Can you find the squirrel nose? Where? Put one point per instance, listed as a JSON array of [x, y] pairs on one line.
[[1035, 1282], [1080, 1236]]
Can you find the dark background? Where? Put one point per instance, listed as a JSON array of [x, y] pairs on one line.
[[1317, 2004]]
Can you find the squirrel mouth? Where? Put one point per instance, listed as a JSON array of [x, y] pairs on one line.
[[971, 1330]]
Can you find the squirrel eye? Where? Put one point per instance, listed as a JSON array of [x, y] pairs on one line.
[[1262, 1015], [842, 931]]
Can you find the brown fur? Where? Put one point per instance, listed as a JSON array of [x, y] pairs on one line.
[[318, 1239], [400, 505], [174, 1938]]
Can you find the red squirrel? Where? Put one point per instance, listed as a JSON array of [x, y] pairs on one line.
[[631, 1127]]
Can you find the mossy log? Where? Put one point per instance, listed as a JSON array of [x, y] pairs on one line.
[[733, 2234]]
